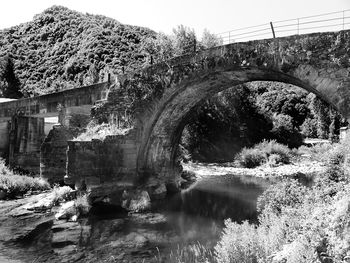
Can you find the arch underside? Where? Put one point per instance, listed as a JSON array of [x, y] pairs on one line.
[[163, 132]]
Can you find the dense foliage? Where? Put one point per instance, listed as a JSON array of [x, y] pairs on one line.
[[297, 223], [244, 115], [62, 48], [225, 124]]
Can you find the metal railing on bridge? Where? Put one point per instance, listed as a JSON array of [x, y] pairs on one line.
[[334, 21]]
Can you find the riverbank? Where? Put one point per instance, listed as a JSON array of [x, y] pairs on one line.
[[305, 167], [30, 233]]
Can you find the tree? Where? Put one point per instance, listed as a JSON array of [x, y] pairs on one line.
[[10, 84], [210, 40], [92, 75], [184, 40], [284, 131], [160, 48]]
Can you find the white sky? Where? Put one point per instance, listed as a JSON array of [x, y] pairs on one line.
[[163, 15]]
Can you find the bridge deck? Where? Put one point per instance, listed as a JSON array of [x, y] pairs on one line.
[[47, 105]]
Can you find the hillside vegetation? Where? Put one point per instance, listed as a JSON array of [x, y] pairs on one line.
[[61, 48]]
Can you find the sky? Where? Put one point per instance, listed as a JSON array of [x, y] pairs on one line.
[[162, 15]]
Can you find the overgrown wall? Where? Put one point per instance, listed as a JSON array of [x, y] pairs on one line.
[[53, 153], [26, 136], [101, 162]]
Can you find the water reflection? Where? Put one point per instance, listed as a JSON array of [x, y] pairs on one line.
[[195, 214], [198, 212]]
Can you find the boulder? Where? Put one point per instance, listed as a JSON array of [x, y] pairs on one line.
[[67, 210], [136, 200]]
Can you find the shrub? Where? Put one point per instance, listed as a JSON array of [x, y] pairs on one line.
[[288, 193], [250, 158], [274, 148], [239, 243], [100, 131], [61, 194], [318, 152], [266, 151]]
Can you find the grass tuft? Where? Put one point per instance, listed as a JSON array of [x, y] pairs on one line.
[[100, 131], [13, 185]]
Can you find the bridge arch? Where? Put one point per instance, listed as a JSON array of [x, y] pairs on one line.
[[318, 63], [163, 130]]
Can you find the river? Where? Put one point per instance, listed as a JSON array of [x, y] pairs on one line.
[[191, 216]]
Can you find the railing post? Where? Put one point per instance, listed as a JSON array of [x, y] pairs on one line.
[[298, 27], [194, 48], [273, 30]]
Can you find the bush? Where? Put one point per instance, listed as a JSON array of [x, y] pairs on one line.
[[289, 193], [265, 152], [239, 244], [61, 194], [318, 152], [16, 185], [250, 158], [274, 148], [100, 131]]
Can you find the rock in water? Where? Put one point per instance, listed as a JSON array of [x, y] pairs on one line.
[[67, 210], [136, 201]]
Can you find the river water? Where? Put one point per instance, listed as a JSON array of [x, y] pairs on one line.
[[195, 215]]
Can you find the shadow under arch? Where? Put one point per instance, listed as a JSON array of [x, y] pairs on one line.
[[162, 132]]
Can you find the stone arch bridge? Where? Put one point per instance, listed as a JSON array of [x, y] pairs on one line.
[[145, 157]]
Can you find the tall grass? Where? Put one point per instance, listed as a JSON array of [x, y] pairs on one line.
[[100, 131], [194, 253], [13, 185]]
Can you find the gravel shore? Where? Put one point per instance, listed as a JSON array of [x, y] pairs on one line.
[[304, 167]]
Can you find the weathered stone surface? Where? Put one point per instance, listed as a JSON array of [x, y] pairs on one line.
[[46, 105], [96, 162], [318, 63], [53, 153], [26, 136], [68, 236], [18, 223]]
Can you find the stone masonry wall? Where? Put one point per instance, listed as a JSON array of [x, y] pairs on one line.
[[53, 153], [26, 136], [96, 162]]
